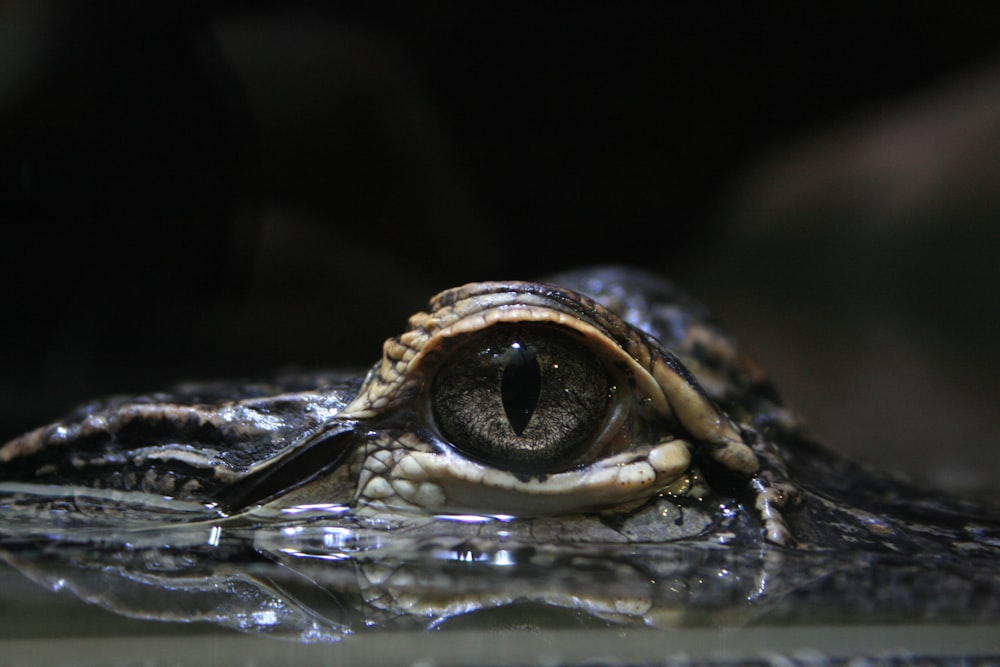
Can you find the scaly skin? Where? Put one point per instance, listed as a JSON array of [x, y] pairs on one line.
[[697, 478]]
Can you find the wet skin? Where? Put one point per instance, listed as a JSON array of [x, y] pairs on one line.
[[594, 423]]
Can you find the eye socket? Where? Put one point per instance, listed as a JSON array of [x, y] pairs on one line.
[[586, 411], [526, 399]]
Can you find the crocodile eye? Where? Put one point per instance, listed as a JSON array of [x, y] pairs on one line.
[[525, 399], [528, 400]]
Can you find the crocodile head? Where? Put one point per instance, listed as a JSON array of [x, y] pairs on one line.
[[597, 421]]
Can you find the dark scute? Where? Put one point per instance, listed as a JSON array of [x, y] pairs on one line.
[[322, 453]]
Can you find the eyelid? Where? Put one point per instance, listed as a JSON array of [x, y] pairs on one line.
[[410, 358]]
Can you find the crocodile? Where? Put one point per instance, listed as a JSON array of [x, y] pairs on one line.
[[591, 446]]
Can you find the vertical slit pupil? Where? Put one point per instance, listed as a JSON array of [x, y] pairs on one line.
[[520, 385]]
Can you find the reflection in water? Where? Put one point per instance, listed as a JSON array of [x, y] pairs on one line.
[[318, 574]]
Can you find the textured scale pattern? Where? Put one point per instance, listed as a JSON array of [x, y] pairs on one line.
[[333, 501]]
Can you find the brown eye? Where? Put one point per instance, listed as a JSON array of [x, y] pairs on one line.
[[525, 399]]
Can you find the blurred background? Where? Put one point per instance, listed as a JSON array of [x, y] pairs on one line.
[[196, 190]]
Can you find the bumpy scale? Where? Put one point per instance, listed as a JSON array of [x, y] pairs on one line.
[[606, 419]]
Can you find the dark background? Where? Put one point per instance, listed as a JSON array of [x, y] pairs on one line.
[[204, 190]]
